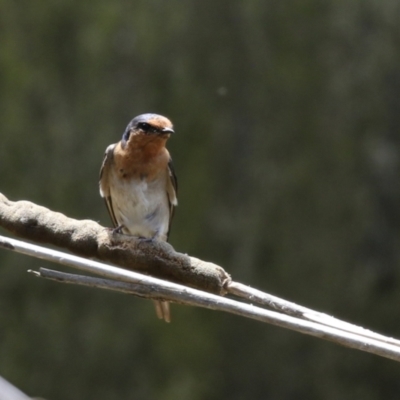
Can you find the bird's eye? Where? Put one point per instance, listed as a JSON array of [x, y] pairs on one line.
[[144, 127]]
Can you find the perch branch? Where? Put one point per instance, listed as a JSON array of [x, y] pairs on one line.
[[289, 308], [89, 239], [184, 295], [10, 392], [147, 286]]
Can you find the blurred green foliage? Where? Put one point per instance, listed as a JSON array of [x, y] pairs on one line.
[[287, 155]]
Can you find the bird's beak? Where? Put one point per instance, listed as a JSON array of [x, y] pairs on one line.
[[168, 130]]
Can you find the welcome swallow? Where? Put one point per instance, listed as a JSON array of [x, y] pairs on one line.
[[139, 185]]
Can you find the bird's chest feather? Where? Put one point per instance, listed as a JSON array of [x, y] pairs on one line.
[[140, 205], [138, 189]]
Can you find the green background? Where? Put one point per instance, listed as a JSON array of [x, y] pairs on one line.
[[287, 155]]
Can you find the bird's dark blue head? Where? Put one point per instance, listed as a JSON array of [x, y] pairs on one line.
[[148, 124]]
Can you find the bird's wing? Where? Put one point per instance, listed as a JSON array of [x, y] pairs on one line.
[[104, 181], [172, 191]]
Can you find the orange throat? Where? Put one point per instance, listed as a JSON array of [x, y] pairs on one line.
[[143, 156]]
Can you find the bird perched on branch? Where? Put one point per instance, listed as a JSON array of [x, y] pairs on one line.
[[138, 183]]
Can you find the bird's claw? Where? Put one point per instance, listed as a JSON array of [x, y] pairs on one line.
[[146, 240], [117, 230]]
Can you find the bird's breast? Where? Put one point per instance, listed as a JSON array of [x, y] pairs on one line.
[[141, 205], [137, 162]]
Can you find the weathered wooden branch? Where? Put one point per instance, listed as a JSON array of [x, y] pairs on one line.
[[150, 288], [90, 240], [10, 392], [159, 259], [295, 310]]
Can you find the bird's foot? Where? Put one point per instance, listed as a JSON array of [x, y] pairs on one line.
[[117, 230], [146, 239]]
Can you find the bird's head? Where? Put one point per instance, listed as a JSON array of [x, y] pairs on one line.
[[148, 125]]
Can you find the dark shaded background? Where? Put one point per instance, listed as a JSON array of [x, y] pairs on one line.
[[287, 154]]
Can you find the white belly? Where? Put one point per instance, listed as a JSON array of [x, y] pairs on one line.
[[140, 207]]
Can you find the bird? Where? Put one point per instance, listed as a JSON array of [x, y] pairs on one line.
[[139, 185]]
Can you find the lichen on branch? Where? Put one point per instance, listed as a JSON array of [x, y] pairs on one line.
[[88, 239]]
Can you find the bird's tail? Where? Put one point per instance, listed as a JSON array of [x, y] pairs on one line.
[[162, 310]]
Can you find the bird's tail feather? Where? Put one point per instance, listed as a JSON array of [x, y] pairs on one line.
[[162, 310]]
